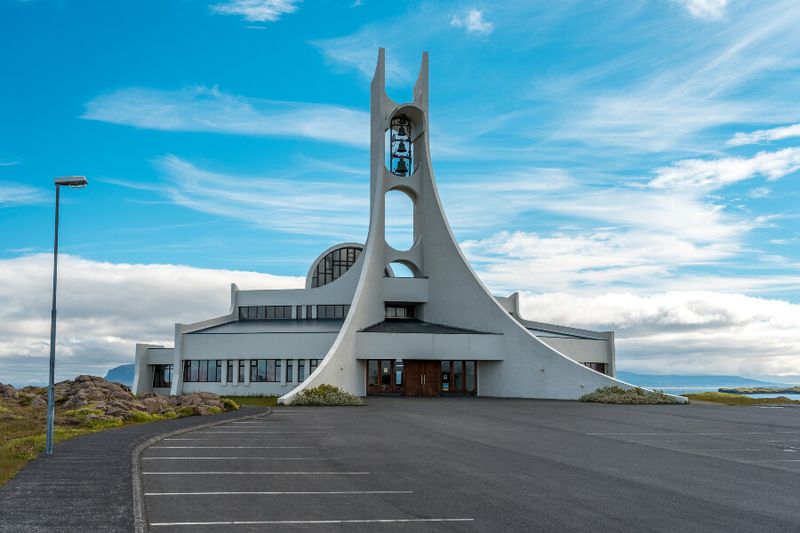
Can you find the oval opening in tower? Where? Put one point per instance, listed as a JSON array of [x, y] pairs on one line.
[[400, 147], [399, 220], [399, 270]]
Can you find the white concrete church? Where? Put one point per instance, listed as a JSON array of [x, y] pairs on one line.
[[359, 326]]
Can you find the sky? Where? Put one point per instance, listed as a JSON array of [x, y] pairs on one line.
[[629, 166]]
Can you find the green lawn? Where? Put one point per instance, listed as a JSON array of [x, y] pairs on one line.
[[737, 399]]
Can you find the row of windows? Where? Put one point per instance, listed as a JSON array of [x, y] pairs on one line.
[[265, 312], [284, 312], [202, 370], [261, 370], [399, 311], [600, 367]]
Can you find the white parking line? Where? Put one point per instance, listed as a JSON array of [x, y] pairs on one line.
[[231, 447], [310, 522], [281, 432], [207, 439], [279, 493], [255, 473], [165, 458]]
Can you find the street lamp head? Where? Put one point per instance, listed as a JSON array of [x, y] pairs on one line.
[[71, 181]]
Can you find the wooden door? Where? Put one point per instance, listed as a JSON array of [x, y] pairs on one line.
[[422, 378]]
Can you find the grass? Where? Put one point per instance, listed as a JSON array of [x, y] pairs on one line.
[[259, 401], [22, 429], [738, 399]]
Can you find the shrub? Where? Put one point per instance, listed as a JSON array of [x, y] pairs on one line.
[[186, 411], [615, 394], [214, 410], [230, 405], [326, 395]]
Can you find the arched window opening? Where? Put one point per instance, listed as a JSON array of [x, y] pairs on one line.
[[399, 220], [401, 270], [400, 146], [334, 265]]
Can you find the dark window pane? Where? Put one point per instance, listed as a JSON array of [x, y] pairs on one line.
[[386, 373], [372, 372], [446, 376], [458, 376], [470, 371], [289, 370], [301, 370]]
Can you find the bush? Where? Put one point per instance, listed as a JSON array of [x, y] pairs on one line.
[[615, 394], [326, 395], [230, 405]]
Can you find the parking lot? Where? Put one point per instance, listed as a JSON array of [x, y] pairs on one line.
[[471, 464]]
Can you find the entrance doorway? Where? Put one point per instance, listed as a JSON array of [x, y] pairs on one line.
[[412, 377], [422, 378]]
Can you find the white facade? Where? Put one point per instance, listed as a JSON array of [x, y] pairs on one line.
[[458, 326]]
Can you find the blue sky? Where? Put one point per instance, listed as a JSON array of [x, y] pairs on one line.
[[626, 165]]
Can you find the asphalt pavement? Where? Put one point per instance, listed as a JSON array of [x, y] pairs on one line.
[[478, 464]]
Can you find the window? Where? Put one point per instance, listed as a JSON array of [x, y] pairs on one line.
[[312, 365], [289, 370], [241, 370], [372, 372], [162, 376], [265, 370], [334, 265], [229, 371], [470, 371], [301, 370], [398, 372], [458, 375], [446, 376], [600, 367], [394, 310], [265, 312], [332, 311], [386, 373], [202, 370]]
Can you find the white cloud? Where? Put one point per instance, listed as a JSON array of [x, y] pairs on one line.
[[104, 309], [759, 136], [709, 174], [15, 194], [472, 20], [212, 110], [279, 204], [359, 52], [684, 332], [7, 163], [257, 10], [635, 103], [705, 9]]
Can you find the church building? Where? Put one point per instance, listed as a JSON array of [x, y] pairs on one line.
[[362, 326]]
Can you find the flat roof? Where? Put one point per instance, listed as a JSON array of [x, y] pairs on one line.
[[324, 325], [412, 325]]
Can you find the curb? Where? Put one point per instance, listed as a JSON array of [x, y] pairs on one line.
[[139, 513]]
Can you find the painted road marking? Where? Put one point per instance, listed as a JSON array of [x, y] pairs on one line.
[[310, 522], [221, 473], [279, 493], [166, 458], [231, 447]]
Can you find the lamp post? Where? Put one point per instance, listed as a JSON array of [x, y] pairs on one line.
[[75, 182]]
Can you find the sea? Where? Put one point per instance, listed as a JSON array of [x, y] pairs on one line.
[[691, 390]]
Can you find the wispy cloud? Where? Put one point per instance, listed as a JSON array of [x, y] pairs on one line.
[[257, 10], [7, 163], [654, 98], [285, 204], [15, 194], [212, 110], [717, 173], [759, 136], [705, 9], [473, 22]]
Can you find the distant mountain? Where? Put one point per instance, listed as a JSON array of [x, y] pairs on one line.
[[673, 380], [122, 374]]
